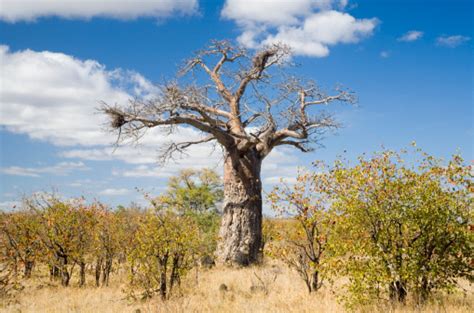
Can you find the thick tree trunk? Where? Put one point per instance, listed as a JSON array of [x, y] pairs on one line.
[[241, 227]]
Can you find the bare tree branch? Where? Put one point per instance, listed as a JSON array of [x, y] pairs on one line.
[[297, 144], [181, 147], [276, 111]]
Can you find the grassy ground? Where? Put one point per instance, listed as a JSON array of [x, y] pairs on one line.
[[275, 289]]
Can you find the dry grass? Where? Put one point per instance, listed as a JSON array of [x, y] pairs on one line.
[[280, 290]]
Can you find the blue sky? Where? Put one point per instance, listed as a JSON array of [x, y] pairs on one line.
[[410, 63]]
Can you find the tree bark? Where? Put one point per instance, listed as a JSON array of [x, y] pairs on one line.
[[241, 227], [398, 291], [163, 270], [54, 272], [65, 276], [98, 268], [315, 281], [106, 271], [423, 291], [174, 277], [82, 274], [28, 268]]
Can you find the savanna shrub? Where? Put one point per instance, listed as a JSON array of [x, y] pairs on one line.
[[303, 240], [403, 229], [166, 248], [394, 229]]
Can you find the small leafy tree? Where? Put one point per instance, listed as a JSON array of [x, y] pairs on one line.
[[19, 231], [403, 229], [66, 233], [304, 239], [109, 236], [9, 282], [194, 190], [84, 226], [197, 194], [129, 220], [166, 244]]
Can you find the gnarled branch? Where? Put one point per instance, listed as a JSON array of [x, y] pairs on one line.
[[276, 111]]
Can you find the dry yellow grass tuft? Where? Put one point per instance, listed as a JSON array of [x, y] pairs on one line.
[[269, 288]]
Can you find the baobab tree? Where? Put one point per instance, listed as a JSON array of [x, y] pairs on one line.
[[248, 106]]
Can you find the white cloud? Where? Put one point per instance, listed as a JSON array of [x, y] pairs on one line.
[[271, 12], [452, 41], [280, 165], [54, 97], [412, 35], [82, 182], [171, 168], [28, 10], [149, 149], [384, 54], [322, 30], [343, 3], [114, 192], [309, 27], [289, 179], [61, 169], [197, 157], [275, 173]]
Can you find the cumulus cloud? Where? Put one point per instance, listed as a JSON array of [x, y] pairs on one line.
[[411, 35], [320, 31], [271, 12], [61, 169], [309, 27], [54, 97], [452, 41], [114, 192], [28, 10], [343, 3]]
